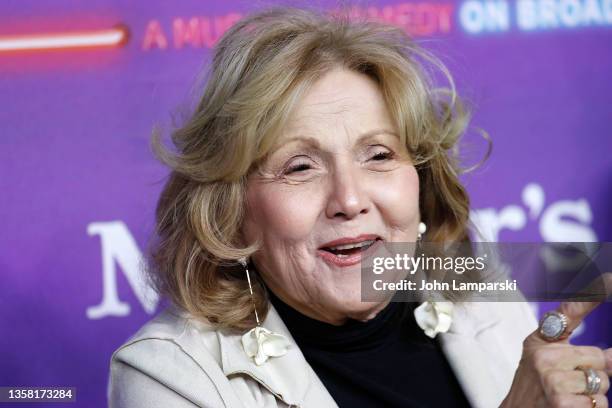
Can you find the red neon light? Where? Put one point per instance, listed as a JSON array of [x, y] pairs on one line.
[[111, 37]]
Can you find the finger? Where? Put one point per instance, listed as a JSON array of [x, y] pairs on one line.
[[576, 312], [599, 289], [605, 382], [604, 385], [600, 400], [568, 358], [578, 401], [565, 357], [608, 354], [572, 382]]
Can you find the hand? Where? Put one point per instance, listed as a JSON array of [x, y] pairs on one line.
[[546, 376]]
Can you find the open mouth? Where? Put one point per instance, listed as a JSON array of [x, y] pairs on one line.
[[346, 250]]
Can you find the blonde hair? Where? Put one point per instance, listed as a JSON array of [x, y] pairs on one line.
[[261, 67]]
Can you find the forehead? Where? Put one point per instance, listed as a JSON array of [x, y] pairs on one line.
[[340, 101]]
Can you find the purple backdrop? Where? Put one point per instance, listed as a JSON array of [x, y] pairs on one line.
[[79, 184]]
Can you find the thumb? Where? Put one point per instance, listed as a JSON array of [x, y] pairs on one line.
[[576, 312], [599, 289]]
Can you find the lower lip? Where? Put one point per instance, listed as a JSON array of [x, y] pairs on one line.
[[347, 260]]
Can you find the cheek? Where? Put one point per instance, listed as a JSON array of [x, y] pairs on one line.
[[398, 197], [280, 214]]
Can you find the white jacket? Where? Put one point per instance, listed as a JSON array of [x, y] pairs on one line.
[[175, 361]]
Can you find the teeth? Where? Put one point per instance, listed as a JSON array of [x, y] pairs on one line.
[[351, 246]]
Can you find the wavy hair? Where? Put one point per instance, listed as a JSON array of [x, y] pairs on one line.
[[260, 69]]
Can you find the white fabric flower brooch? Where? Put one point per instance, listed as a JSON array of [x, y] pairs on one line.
[[260, 344], [434, 317]]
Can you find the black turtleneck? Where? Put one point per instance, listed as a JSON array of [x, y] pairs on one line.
[[387, 361]]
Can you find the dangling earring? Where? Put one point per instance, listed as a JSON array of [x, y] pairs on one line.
[[421, 231], [260, 343], [243, 262]]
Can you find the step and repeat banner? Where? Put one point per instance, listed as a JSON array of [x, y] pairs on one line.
[[83, 84]]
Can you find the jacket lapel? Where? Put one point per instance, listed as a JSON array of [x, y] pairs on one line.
[[468, 353], [289, 377]]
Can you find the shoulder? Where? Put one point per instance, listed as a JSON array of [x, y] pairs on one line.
[[170, 361]]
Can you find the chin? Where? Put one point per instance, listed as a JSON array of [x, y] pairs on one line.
[[358, 310], [342, 300]]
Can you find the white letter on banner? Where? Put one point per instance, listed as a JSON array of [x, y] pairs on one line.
[[548, 14], [607, 10], [472, 17], [591, 12], [120, 248], [490, 222], [498, 16], [526, 15], [476, 16], [557, 224], [570, 13]]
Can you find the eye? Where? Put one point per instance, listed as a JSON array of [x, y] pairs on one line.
[[297, 166], [382, 155]]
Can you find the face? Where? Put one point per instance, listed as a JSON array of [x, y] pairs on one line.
[[338, 173]]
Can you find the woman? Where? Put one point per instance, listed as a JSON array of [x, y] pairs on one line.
[[316, 139]]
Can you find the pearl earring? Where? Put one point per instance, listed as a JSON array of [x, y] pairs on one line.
[[421, 231]]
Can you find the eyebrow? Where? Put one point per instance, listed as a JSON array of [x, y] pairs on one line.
[[315, 142]]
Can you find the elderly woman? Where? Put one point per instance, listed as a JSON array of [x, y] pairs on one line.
[[316, 139]]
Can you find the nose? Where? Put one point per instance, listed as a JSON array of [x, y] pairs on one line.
[[348, 196]]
